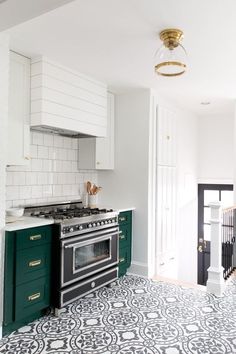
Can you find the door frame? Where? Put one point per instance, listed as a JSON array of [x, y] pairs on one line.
[[200, 255]]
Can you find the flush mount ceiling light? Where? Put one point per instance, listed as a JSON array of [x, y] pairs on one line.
[[172, 56]]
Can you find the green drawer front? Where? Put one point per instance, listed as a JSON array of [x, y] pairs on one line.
[[36, 236], [125, 217], [125, 257], [125, 235], [122, 270], [32, 297], [33, 263]]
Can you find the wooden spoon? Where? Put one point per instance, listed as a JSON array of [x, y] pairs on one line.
[[89, 185]]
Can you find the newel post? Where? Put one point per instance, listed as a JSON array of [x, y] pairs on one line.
[[215, 282]]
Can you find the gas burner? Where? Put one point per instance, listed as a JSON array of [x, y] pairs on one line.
[[68, 211]]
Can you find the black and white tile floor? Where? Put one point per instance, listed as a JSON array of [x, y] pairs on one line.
[[137, 316]]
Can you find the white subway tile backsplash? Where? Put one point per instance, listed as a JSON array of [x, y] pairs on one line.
[[12, 192], [42, 178], [48, 140], [36, 165], [37, 191], [52, 174], [67, 143], [47, 165], [24, 192], [51, 153], [19, 178], [66, 166], [57, 190], [74, 143], [37, 138], [34, 151], [42, 152], [58, 141], [30, 178]]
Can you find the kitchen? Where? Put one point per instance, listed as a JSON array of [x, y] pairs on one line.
[[50, 162]]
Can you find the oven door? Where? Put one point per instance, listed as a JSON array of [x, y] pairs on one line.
[[84, 255]]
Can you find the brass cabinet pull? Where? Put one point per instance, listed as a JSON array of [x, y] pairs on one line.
[[122, 218], [35, 237], [122, 237], [121, 260], [35, 263], [34, 297]]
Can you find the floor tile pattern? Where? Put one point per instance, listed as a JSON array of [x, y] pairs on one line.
[[136, 316]]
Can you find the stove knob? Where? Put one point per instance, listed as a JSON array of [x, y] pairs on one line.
[[109, 221], [81, 227], [98, 223], [106, 222], [71, 229], [102, 222], [112, 220], [94, 224], [90, 225]]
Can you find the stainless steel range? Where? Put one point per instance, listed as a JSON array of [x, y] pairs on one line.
[[86, 248]]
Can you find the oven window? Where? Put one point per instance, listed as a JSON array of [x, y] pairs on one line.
[[90, 254]]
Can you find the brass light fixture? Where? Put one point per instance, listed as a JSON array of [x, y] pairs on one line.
[[172, 56]]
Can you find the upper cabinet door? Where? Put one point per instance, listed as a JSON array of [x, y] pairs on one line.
[[166, 137], [19, 111], [98, 153], [105, 146]]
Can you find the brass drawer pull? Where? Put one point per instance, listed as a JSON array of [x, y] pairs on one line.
[[35, 237], [34, 297], [122, 237], [35, 263], [121, 260], [122, 218]]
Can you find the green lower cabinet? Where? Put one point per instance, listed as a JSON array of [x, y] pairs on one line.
[[27, 291], [125, 241]]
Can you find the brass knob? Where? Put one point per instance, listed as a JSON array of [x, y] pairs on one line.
[[200, 248]]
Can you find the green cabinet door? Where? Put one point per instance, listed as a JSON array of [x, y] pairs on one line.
[[125, 241]]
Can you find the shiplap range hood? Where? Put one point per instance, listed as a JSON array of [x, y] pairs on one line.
[[66, 102]]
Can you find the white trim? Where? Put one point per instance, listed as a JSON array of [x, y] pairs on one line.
[[214, 181], [139, 268]]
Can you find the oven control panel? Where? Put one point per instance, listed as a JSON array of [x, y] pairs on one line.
[[80, 228]]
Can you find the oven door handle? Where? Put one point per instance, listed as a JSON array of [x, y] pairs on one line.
[[84, 243]]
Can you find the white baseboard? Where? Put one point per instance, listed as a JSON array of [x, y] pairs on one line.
[[139, 268]]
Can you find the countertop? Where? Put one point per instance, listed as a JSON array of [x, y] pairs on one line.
[[25, 222]]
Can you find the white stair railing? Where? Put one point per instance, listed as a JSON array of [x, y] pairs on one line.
[[215, 282]]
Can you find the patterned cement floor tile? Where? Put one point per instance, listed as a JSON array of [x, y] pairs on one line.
[[136, 316]]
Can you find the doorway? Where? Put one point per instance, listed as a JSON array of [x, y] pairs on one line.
[[209, 193]]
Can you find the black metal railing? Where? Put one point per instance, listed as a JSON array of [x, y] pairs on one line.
[[228, 240]]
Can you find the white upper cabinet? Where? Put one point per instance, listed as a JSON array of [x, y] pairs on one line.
[[66, 101], [98, 153], [19, 111], [166, 137]]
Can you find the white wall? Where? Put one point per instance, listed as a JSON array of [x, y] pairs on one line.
[[127, 185], [52, 174], [4, 65], [216, 149]]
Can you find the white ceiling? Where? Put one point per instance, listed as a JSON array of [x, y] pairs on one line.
[[115, 41], [13, 12]]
